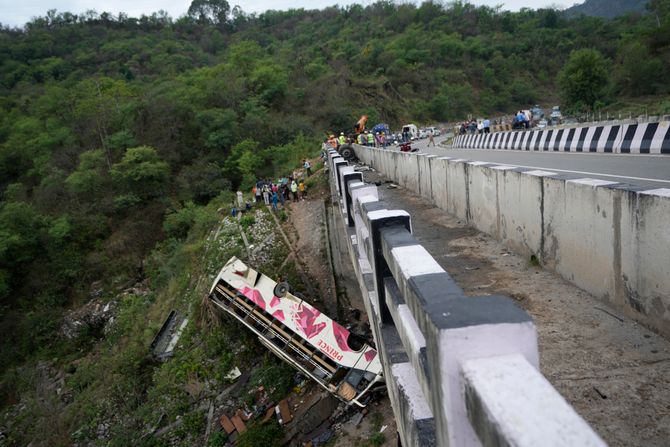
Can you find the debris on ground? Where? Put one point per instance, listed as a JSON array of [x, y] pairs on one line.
[[95, 317]]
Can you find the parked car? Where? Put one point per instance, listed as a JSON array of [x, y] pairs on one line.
[[537, 113], [423, 134], [556, 116], [434, 131]]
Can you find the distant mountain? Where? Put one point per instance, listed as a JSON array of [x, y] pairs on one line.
[[606, 8]]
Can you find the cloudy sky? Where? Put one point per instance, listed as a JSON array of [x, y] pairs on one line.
[[18, 12]]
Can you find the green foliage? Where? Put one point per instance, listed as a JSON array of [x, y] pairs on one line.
[[141, 172], [121, 137], [206, 11], [268, 435], [91, 176], [640, 73], [275, 376], [218, 439], [377, 439], [246, 221], [584, 79]]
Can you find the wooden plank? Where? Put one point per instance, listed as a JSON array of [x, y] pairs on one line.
[[285, 412], [226, 424], [239, 424]]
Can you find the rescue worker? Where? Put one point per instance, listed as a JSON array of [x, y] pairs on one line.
[[362, 139], [371, 139], [343, 139], [302, 188]]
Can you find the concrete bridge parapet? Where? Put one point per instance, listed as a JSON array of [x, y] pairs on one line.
[[618, 138], [460, 371]]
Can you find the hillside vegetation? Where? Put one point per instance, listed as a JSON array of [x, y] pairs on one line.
[[607, 8], [120, 137]]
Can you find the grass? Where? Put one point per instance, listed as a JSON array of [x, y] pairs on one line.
[[534, 261], [642, 106]]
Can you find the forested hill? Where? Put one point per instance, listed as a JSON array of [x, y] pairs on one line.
[[122, 139], [608, 9], [114, 130]]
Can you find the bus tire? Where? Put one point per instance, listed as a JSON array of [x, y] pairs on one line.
[[281, 289], [347, 152]]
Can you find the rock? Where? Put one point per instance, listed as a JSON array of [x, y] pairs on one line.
[[91, 318]]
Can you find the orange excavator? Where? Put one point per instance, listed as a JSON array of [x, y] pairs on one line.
[[360, 125]]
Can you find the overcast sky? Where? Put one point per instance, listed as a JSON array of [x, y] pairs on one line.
[[18, 12]]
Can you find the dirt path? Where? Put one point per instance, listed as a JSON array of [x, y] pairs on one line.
[[613, 371]]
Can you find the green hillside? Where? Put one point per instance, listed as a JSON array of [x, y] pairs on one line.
[[608, 9], [121, 137]]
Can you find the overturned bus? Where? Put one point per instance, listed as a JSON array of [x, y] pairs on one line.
[[297, 332]]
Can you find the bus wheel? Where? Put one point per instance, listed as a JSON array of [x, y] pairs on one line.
[[347, 152], [281, 289]]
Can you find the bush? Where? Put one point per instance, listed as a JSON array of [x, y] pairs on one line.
[[268, 435], [218, 439], [247, 221], [178, 223]]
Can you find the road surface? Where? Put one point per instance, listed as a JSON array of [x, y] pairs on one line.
[[648, 171]]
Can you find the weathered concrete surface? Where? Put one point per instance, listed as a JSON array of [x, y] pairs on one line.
[[586, 351], [596, 234]]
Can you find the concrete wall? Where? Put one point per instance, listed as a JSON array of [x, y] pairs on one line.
[[460, 371], [621, 138], [608, 238]]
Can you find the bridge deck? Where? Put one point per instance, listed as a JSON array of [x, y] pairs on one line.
[[613, 371]]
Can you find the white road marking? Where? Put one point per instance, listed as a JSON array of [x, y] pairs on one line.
[[598, 174]]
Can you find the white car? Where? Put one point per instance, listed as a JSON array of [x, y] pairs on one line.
[[434, 131], [423, 134]]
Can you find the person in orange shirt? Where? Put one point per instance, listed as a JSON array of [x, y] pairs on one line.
[[332, 142]]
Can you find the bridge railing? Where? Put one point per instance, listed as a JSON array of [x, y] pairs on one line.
[[460, 371], [618, 138]]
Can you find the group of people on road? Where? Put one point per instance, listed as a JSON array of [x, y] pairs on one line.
[[475, 127], [367, 138]]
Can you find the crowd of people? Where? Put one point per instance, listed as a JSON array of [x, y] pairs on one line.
[[270, 193], [365, 138], [474, 127]]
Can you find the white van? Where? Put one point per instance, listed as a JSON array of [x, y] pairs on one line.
[[412, 130]]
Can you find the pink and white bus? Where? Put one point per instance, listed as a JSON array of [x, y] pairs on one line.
[[297, 332]]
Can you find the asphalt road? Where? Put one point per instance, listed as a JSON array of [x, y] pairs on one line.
[[652, 171]]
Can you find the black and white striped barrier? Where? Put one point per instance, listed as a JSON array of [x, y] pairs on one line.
[[641, 138], [460, 371]]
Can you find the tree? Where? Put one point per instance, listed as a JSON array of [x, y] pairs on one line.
[[141, 172], [584, 79], [639, 73], [209, 11], [89, 177]]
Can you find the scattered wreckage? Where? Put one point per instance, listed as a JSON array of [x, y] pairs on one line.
[[297, 332]]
